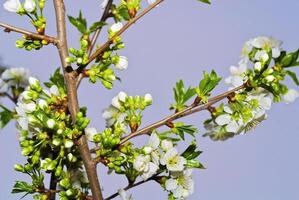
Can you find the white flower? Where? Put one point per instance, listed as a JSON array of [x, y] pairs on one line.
[[90, 132], [166, 145], [104, 4], [12, 5], [290, 96], [16, 76], [173, 161], [29, 5], [54, 90], [231, 125], [23, 123], [122, 63], [33, 81], [143, 165], [50, 123], [264, 42], [116, 27], [123, 195], [247, 48], [181, 185], [238, 75], [148, 98]]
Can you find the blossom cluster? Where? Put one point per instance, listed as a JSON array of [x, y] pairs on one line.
[[34, 10], [44, 125], [159, 154], [14, 78], [247, 108]]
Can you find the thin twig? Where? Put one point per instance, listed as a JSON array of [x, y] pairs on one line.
[[104, 17], [101, 49], [125, 27], [73, 105], [32, 35], [185, 112]]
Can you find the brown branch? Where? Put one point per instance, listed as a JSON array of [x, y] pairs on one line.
[[32, 35], [104, 17], [187, 111], [125, 27], [101, 49], [73, 105]]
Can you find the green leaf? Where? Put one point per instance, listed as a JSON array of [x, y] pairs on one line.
[[293, 76], [182, 95], [95, 26], [190, 153], [290, 59], [21, 186], [205, 1], [5, 116], [207, 84], [180, 129], [56, 79], [79, 22], [194, 164]]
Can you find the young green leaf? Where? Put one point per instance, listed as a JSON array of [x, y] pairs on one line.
[[182, 95], [207, 84], [79, 22], [21, 186], [293, 77], [95, 26], [205, 1], [180, 129], [5, 116]]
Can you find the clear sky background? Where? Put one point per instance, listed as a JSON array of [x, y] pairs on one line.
[[179, 40]]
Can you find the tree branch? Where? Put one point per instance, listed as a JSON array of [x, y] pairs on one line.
[[187, 111], [104, 17], [125, 27], [32, 35], [101, 49], [73, 105]]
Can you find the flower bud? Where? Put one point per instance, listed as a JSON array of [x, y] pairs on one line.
[[258, 66], [20, 44], [147, 150], [148, 99], [19, 168], [68, 143], [71, 157], [122, 96], [122, 63], [29, 5], [116, 27], [270, 78], [50, 123], [35, 84]]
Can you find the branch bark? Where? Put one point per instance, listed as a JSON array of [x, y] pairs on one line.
[[125, 27], [104, 17], [32, 35], [187, 111], [73, 105]]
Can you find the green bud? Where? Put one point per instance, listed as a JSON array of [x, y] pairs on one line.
[[27, 150], [28, 167], [71, 157], [84, 43], [19, 168], [52, 165], [20, 44], [58, 171], [65, 183], [56, 141]]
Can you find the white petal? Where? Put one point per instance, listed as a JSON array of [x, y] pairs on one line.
[[223, 119], [29, 5], [171, 184], [90, 132], [291, 96], [232, 127], [154, 141], [12, 5]]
